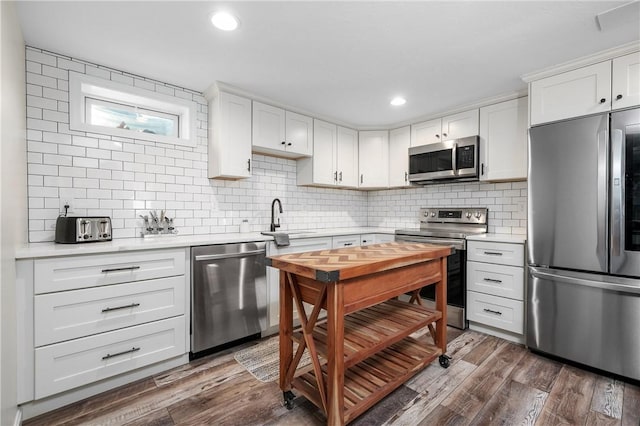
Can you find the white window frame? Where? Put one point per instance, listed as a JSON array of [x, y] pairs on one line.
[[82, 86]]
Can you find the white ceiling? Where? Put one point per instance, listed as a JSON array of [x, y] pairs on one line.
[[344, 60]]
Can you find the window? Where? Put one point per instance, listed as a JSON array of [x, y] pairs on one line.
[[103, 106]]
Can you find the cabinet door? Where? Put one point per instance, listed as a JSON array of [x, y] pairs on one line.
[[299, 134], [324, 152], [399, 141], [373, 159], [426, 132], [503, 140], [460, 125], [571, 94], [347, 157], [268, 127], [625, 83], [229, 137]]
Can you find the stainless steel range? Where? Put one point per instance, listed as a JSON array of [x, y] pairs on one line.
[[449, 226]]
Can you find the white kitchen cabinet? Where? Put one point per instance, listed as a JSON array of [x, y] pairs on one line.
[[503, 140], [426, 132], [453, 126], [93, 320], [460, 125], [373, 159], [574, 93], [367, 239], [343, 241], [625, 81], [495, 288], [279, 132], [229, 153], [399, 142], [335, 157], [273, 275]]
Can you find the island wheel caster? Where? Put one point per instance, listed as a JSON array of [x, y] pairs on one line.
[[288, 399], [445, 361]]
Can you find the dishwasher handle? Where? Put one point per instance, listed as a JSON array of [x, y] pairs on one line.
[[230, 255]]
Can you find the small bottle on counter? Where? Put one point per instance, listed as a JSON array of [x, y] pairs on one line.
[[244, 226]]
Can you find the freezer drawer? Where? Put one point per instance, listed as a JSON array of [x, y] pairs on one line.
[[586, 318]]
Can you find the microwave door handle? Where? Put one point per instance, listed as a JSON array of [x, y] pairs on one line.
[[454, 158], [616, 191]]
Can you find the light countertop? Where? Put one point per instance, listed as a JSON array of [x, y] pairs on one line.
[[51, 249]]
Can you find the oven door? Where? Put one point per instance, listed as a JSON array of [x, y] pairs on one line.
[[456, 278]]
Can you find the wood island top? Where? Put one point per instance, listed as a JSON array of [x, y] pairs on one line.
[[345, 263]]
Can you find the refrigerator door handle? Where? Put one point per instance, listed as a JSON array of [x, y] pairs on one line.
[[601, 209], [617, 183], [625, 285]]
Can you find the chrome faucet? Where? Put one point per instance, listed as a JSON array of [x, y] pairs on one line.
[[275, 225]]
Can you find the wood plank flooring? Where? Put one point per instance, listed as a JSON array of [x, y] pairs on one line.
[[490, 381]]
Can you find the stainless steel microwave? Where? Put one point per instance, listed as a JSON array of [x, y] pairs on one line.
[[455, 159]]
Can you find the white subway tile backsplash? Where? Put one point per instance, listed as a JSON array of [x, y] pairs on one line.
[[124, 177]]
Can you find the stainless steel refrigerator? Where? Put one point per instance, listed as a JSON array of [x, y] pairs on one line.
[[583, 290]]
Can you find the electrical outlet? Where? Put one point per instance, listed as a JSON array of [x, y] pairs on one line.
[[67, 201]]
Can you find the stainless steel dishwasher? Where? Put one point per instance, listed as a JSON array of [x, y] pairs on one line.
[[228, 293]]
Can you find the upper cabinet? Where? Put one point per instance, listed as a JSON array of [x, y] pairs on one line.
[[280, 132], [229, 135], [503, 140], [453, 126], [592, 89], [625, 83], [335, 157], [399, 142], [373, 159]]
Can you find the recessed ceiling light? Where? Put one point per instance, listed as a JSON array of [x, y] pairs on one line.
[[398, 100], [224, 21]]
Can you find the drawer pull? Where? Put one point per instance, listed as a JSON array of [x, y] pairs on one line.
[[107, 356], [133, 305], [491, 280], [127, 268], [348, 244], [492, 312], [493, 253]]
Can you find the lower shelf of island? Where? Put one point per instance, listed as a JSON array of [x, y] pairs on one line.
[[379, 355], [375, 377]]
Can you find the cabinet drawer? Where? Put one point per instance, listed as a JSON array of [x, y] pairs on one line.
[[346, 241], [78, 313], [500, 253], [499, 312], [499, 280], [67, 365], [68, 273]]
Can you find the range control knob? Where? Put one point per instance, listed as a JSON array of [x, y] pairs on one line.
[[478, 215], [86, 237], [433, 214], [468, 215]]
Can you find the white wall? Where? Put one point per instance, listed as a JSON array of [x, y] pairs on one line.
[[13, 200], [124, 178]]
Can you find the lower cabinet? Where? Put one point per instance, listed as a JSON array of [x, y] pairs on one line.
[[366, 239], [495, 289], [94, 322]]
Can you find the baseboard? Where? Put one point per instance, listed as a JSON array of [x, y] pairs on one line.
[[506, 335]]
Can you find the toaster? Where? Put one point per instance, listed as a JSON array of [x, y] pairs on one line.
[[73, 229]]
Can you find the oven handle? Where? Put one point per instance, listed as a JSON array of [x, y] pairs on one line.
[[457, 244]]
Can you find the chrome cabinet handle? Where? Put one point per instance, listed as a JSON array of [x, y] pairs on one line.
[[492, 312], [491, 280], [107, 356], [127, 268], [493, 253], [133, 305]]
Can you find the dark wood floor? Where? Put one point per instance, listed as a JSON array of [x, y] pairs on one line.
[[490, 382]]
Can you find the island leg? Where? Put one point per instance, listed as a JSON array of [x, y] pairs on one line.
[[335, 349], [286, 343], [441, 305]]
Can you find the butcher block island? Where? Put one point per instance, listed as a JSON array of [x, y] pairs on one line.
[[363, 350]]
